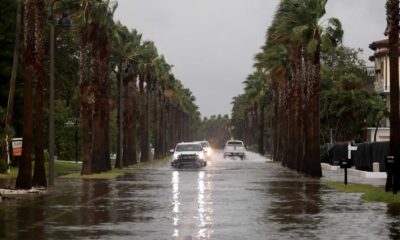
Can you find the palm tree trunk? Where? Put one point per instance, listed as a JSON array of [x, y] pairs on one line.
[[39, 176], [144, 149], [313, 167], [392, 8], [156, 125], [261, 135], [297, 105], [85, 105], [98, 151], [105, 89], [130, 127], [24, 178], [118, 161], [14, 71], [275, 134]]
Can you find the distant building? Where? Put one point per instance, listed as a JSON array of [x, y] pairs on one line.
[[382, 86]]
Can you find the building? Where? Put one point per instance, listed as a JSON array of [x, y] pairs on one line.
[[382, 86]]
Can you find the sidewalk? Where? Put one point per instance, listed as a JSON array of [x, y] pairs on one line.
[[335, 173]]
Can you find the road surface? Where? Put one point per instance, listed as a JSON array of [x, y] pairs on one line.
[[229, 199]]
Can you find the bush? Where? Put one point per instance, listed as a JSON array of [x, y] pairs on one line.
[[3, 167]]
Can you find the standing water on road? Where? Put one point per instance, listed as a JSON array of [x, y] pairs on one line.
[[229, 199]]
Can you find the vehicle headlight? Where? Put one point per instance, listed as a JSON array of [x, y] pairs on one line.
[[176, 155], [201, 155], [209, 152]]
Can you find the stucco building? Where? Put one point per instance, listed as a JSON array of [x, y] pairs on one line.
[[382, 85]]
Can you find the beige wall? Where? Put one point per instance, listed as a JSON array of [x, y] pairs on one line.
[[383, 134]]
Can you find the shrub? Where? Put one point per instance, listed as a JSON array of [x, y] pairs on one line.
[[3, 167]]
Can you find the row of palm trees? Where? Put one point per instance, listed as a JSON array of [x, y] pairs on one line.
[[289, 67], [250, 111], [153, 106]]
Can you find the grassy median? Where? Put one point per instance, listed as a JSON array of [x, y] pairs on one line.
[[72, 170], [369, 193], [114, 173]]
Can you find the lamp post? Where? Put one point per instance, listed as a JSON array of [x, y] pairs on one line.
[[71, 124], [64, 22]]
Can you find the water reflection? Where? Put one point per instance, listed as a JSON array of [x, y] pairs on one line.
[[296, 206], [175, 202], [393, 213], [204, 215], [205, 208]]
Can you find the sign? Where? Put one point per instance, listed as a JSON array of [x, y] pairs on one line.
[[17, 147]]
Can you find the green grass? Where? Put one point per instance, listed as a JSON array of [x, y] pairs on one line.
[[369, 193], [114, 173], [72, 170], [63, 167], [13, 174]]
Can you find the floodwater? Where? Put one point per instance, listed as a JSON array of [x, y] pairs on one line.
[[229, 199]]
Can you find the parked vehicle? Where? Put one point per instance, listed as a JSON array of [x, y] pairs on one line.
[[188, 155], [235, 148], [206, 148]]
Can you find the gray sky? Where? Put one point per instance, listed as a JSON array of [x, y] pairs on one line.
[[211, 43]]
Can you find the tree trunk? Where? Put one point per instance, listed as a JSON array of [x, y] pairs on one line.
[[24, 178], [144, 145], [118, 161], [392, 8], [275, 123], [98, 151], [39, 176], [298, 141], [85, 105], [313, 167], [261, 129], [14, 71], [130, 120], [156, 125], [105, 90]]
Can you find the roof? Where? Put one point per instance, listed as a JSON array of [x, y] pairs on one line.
[[381, 53], [383, 43], [189, 143], [379, 44]]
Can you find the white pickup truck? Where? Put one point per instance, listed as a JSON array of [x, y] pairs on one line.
[[235, 148]]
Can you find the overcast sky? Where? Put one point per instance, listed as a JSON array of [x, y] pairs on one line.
[[211, 43]]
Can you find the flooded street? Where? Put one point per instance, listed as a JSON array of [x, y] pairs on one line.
[[229, 199]]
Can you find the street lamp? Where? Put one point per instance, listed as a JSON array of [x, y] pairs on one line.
[[63, 22], [71, 124]]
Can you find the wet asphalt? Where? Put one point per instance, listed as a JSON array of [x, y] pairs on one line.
[[229, 199]]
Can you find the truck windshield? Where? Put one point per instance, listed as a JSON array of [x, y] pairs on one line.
[[188, 148], [205, 144], [236, 143]]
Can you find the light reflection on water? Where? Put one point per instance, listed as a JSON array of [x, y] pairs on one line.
[[204, 216], [205, 208], [175, 202], [230, 199]]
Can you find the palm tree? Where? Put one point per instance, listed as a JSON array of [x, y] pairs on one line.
[[255, 87], [13, 81], [298, 25], [127, 51], [316, 35], [101, 14], [82, 26], [162, 69], [14, 71], [130, 111], [148, 55], [24, 178], [39, 176], [392, 11]]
